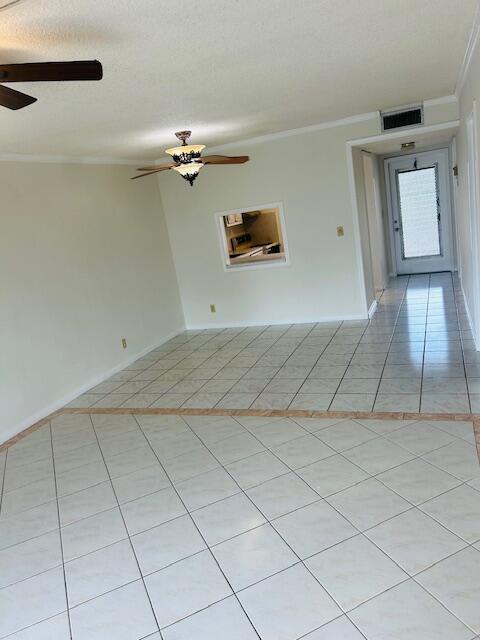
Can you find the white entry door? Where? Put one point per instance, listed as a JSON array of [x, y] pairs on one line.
[[420, 212]]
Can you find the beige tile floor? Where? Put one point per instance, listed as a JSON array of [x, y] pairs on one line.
[[173, 527], [416, 354]]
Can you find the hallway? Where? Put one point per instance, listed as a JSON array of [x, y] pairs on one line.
[[431, 364], [416, 354]]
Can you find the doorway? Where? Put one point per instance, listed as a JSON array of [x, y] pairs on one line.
[[420, 212]]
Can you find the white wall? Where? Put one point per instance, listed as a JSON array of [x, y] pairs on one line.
[[84, 261], [308, 173], [468, 264], [362, 212], [441, 110]]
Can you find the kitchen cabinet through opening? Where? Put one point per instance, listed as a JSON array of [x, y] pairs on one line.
[[253, 237]]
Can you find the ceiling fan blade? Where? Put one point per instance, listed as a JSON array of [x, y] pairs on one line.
[[224, 159], [14, 99], [158, 167], [142, 175], [51, 71]]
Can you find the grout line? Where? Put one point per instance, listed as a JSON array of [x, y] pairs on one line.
[[128, 534], [32, 428], [204, 608], [334, 335], [361, 532], [462, 350], [370, 476], [125, 584], [243, 377], [196, 526], [316, 434], [424, 345], [224, 365], [23, 630], [231, 360], [343, 614], [4, 475], [269, 521], [391, 338], [60, 534], [348, 364], [418, 506]]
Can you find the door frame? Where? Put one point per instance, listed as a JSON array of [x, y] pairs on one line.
[[473, 197], [376, 230], [448, 128], [391, 205]]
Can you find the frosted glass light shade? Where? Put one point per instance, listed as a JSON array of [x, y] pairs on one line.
[[189, 171], [192, 168], [186, 153]]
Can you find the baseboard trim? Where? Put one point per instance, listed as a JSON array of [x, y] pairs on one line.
[[263, 323], [469, 316], [78, 391]]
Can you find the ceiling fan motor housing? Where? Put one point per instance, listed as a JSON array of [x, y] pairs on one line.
[[183, 136], [191, 153]]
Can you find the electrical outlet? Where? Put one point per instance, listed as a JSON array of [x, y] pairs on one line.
[[340, 231], [212, 308], [124, 343]]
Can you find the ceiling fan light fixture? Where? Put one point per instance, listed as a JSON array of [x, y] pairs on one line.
[[189, 171], [186, 153], [187, 160]]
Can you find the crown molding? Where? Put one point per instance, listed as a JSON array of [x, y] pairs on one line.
[[453, 98], [471, 45], [43, 159], [330, 124], [342, 122]]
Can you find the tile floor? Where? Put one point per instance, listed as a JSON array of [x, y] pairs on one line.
[[416, 354], [130, 527]]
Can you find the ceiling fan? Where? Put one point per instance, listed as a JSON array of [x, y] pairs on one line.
[[188, 160], [43, 72]]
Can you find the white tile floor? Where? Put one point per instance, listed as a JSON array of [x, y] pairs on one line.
[[211, 528], [416, 354]]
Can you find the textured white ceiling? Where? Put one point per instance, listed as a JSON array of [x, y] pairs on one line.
[[227, 69]]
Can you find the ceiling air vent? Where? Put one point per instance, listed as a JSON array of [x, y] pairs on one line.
[[401, 118]]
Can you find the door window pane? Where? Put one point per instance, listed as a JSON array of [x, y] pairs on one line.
[[419, 213]]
